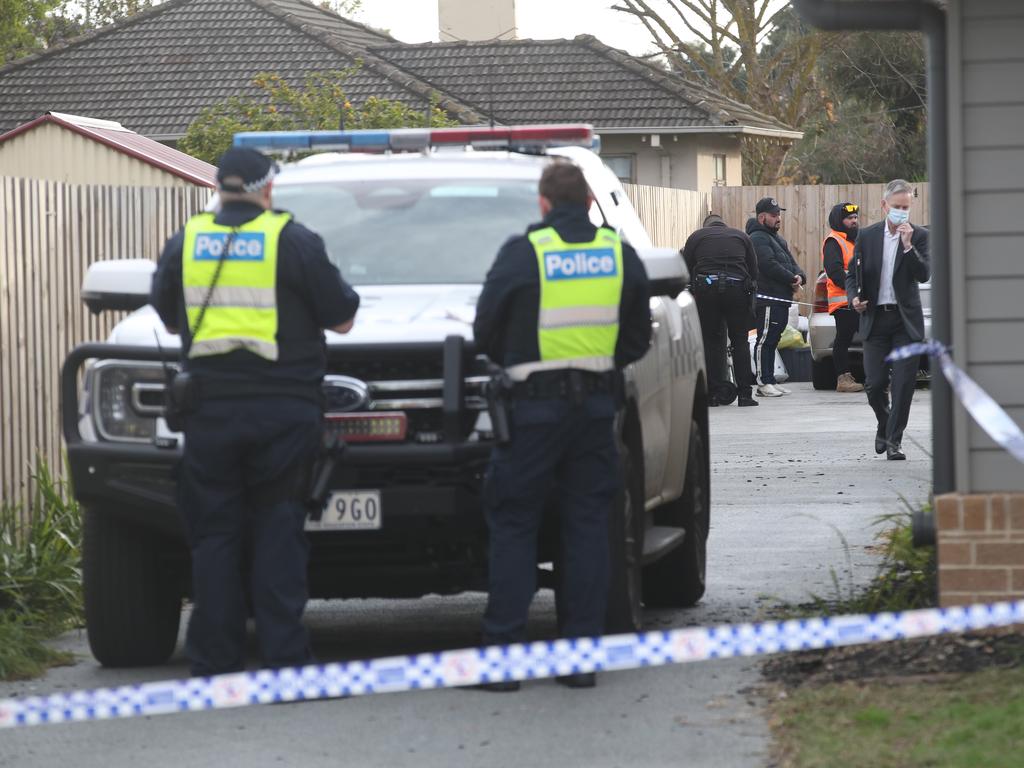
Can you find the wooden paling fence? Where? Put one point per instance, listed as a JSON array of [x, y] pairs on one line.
[[50, 233], [669, 215], [805, 221]]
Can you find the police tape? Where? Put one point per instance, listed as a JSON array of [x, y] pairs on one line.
[[473, 666], [983, 409], [784, 301]]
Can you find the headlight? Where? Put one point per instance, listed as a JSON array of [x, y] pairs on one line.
[[126, 399]]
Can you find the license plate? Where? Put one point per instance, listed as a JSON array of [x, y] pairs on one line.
[[350, 511]]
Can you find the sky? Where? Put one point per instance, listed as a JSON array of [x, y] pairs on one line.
[[415, 21]]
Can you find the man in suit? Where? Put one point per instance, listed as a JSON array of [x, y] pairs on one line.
[[890, 259]]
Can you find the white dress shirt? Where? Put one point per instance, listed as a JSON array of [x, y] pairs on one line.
[[890, 245]]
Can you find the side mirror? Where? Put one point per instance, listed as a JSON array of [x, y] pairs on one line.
[[122, 284], [666, 271]]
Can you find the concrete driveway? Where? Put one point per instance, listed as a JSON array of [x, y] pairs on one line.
[[796, 488]]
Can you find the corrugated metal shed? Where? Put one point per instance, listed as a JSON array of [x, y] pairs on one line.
[[81, 150]]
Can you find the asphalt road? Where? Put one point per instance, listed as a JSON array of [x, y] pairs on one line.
[[796, 488]]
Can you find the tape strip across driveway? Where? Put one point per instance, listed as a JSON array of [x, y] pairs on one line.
[[471, 666]]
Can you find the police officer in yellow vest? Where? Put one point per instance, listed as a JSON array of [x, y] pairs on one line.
[[563, 309], [250, 290], [836, 253]]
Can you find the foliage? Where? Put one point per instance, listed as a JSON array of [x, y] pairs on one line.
[[320, 104], [40, 574], [751, 51], [971, 720], [859, 98], [19, 22]]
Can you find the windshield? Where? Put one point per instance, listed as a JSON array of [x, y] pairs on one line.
[[418, 231]]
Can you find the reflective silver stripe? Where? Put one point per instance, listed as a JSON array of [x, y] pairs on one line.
[[838, 300], [231, 296], [595, 364], [226, 344], [568, 317]]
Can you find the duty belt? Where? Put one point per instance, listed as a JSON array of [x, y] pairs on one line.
[[562, 384]]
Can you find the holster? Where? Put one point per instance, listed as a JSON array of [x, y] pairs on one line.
[[332, 447], [499, 389], [181, 398]]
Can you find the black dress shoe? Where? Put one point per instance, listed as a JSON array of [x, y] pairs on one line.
[[501, 686], [746, 402], [578, 680], [895, 454], [880, 442]]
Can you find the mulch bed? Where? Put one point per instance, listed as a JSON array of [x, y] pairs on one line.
[[945, 654]]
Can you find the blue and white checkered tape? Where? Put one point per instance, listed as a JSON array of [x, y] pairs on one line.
[[525, 661]]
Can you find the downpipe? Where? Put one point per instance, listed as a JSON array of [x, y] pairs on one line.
[[863, 15]]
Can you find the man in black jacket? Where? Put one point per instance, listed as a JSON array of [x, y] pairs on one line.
[[890, 259], [778, 277], [723, 274]]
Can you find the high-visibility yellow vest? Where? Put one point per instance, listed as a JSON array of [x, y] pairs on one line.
[[580, 293], [837, 293], [242, 311]]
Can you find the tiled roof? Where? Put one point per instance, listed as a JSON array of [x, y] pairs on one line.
[[117, 137], [576, 80], [155, 71]]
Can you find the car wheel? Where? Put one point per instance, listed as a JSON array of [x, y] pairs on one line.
[[823, 373], [132, 596], [626, 539], [679, 578]]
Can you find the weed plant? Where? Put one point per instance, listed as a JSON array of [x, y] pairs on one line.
[[40, 574]]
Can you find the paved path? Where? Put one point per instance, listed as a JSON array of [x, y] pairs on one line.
[[796, 488]]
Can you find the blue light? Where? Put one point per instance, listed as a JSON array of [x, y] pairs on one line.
[[308, 140]]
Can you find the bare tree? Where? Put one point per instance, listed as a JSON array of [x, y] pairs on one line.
[[752, 51]]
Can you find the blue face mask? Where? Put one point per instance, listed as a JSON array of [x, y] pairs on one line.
[[897, 216]]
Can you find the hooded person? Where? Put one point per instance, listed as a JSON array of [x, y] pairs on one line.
[[836, 254]]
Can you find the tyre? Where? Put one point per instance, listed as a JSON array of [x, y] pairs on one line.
[[823, 373], [132, 594], [679, 578], [626, 538]]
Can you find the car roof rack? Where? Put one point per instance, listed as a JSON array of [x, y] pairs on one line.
[[533, 139]]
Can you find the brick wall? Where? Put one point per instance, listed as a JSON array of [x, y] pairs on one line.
[[981, 547]]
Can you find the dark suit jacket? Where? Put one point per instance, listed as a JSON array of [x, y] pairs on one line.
[[912, 267]]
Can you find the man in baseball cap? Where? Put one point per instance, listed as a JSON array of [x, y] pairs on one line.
[[768, 205]]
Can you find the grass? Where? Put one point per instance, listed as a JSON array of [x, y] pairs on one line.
[[40, 575], [968, 720]]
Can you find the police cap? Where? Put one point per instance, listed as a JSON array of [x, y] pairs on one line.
[[244, 170]]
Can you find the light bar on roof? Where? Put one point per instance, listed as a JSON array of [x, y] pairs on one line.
[[524, 137]]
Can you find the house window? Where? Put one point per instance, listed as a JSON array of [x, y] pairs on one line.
[[623, 166], [719, 163]]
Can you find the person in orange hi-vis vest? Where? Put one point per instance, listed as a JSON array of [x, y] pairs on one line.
[[836, 253]]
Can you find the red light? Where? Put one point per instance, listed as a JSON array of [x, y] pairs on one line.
[[546, 135], [386, 426], [821, 294]]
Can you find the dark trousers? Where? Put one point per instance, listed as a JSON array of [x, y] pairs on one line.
[[239, 497], [887, 333], [847, 322], [772, 317], [569, 451], [731, 307]]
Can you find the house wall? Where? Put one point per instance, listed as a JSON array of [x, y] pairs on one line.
[[683, 161], [986, 70], [57, 154]]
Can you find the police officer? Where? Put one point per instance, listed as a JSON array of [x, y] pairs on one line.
[[563, 308], [723, 276], [250, 291]]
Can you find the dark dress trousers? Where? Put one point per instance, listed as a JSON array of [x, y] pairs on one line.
[[885, 328]]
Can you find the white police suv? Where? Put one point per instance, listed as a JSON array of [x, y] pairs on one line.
[[413, 218]]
